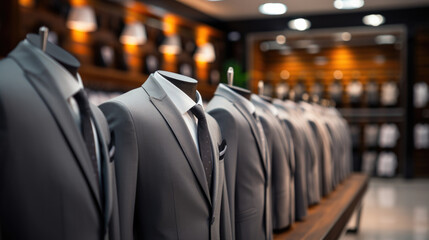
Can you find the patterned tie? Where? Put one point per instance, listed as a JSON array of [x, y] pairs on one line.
[[86, 127], [204, 142]]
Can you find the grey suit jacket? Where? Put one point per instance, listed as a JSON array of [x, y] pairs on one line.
[[281, 168], [47, 185], [247, 167], [310, 146], [300, 173], [163, 192]]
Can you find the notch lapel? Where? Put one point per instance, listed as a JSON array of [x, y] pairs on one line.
[[43, 83], [223, 93], [106, 170], [60, 112], [217, 179], [178, 127], [256, 134]]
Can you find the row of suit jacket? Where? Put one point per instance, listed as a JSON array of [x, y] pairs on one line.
[[271, 159]]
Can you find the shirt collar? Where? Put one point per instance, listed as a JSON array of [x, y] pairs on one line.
[[64, 81], [248, 105], [181, 101]]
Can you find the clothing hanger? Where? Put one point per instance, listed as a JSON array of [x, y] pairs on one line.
[[186, 84], [241, 91], [261, 92], [65, 59]]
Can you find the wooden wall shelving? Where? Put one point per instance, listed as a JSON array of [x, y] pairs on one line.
[[111, 18]]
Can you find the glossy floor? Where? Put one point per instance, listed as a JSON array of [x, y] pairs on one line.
[[394, 209]]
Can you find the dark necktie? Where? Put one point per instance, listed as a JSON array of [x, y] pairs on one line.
[[204, 142], [86, 127]]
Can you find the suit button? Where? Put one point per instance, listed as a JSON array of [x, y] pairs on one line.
[[213, 220]]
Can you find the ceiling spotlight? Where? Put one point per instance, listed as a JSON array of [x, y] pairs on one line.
[[348, 4], [373, 20], [385, 39], [82, 19], [299, 24], [281, 39], [133, 34], [272, 8]]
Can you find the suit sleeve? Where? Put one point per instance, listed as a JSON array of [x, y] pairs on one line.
[[123, 135], [228, 129]]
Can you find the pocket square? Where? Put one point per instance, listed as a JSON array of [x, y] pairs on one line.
[[222, 149]]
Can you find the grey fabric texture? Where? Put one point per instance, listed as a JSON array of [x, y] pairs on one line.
[[247, 168], [162, 189], [47, 185]]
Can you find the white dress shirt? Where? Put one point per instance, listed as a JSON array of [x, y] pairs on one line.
[[183, 104], [389, 93], [68, 87], [389, 134]]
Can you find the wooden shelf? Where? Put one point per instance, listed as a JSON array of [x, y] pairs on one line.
[[373, 115], [328, 219], [110, 79]]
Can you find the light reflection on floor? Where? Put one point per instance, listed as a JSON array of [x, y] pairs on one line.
[[394, 209]]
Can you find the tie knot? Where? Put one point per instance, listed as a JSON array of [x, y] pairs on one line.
[[198, 111]]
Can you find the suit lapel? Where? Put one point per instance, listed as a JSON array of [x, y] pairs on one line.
[[42, 82], [255, 133], [64, 119], [106, 173], [173, 118], [225, 94], [217, 180]]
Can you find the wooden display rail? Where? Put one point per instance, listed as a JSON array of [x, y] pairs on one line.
[[328, 219]]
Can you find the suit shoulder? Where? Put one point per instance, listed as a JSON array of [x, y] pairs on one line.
[[10, 71]]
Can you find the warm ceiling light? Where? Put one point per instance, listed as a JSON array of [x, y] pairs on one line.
[[373, 20], [348, 4], [205, 53], [272, 8], [281, 39], [171, 45], [385, 39], [133, 34], [299, 24], [82, 18], [26, 3]]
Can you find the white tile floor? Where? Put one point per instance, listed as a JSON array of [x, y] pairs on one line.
[[394, 209]]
